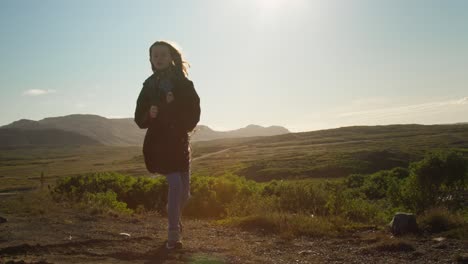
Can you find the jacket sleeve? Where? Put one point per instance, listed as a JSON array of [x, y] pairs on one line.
[[190, 116], [142, 117], [184, 113]]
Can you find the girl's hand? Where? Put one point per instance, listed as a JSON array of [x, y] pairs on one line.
[[153, 111], [169, 97]]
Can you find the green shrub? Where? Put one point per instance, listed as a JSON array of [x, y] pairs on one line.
[[106, 201], [211, 196], [295, 207], [364, 211], [436, 220], [113, 190], [301, 197], [254, 204], [399, 173], [375, 186], [355, 180], [438, 180]]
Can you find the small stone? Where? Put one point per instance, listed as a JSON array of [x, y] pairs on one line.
[[439, 239], [125, 234], [3, 220], [403, 223], [305, 252]]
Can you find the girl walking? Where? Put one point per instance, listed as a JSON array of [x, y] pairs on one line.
[[169, 107]]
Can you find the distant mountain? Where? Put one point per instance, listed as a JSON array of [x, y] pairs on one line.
[[206, 133], [101, 129], [124, 131], [17, 137]]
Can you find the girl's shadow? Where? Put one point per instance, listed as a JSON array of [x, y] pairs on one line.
[[161, 253]]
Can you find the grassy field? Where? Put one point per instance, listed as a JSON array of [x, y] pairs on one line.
[[329, 153], [342, 185], [333, 153], [21, 168]]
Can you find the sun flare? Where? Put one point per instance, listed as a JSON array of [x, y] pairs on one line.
[[268, 10], [270, 4]]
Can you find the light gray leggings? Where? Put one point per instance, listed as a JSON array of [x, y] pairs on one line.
[[177, 197]]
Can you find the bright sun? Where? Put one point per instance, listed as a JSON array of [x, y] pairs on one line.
[[273, 8], [270, 4], [270, 12]]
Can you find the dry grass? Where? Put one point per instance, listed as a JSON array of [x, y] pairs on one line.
[[293, 225], [437, 220], [389, 244]]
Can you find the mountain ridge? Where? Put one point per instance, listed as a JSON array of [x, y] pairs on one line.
[[124, 131]]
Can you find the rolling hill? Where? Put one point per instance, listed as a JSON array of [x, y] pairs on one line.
[[124, 131], [327, 153], [15, 137]]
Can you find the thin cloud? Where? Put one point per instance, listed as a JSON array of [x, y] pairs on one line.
[[36, 92], [407, 109], [464, 100]]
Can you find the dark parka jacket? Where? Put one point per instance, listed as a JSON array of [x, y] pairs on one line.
[[166, 147]]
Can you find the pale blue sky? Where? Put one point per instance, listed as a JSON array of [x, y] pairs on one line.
[[302, 64]]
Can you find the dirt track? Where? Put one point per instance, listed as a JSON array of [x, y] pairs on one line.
[[70, 236]]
